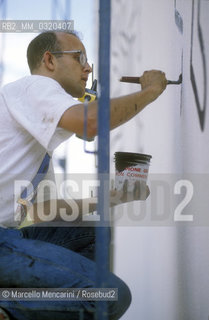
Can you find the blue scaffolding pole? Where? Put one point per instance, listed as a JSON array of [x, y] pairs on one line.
[[3, 9], [102, 235]]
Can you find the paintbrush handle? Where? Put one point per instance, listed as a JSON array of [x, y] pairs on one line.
[[130, 79], [137, 80]]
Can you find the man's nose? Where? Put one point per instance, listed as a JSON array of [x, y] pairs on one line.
[[88, 68]]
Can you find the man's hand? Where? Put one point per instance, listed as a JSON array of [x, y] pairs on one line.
[[141, 192], [155, 79]]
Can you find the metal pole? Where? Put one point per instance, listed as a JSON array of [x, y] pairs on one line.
[[102, 245], [3, 10]]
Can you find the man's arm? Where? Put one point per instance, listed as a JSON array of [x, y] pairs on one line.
[[122, 109], [74, 209]]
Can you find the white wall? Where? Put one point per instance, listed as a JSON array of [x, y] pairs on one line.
[[165, 264]]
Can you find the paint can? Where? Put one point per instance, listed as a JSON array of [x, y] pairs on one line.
[[131, 167]]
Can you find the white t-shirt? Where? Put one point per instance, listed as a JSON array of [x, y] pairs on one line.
[[30, 110]]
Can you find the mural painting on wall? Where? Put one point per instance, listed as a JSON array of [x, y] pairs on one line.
[[198, 56], [198, 24]]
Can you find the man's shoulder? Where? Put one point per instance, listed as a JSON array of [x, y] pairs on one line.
[[29, 80], [22, 82]]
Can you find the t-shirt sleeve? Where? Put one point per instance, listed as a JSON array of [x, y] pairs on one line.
[[39, 106]]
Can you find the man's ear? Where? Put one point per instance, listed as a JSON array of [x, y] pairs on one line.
[[49, 60]]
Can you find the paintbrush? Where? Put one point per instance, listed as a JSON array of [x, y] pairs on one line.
[[138, 80]]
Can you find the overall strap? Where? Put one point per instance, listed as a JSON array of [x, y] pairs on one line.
[[29, 193]]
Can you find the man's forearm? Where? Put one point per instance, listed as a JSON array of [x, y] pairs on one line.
[[75, 209], [61, 209], [124, 108], [68, 209]]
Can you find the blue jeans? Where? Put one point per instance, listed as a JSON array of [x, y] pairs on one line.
[[54, 257]]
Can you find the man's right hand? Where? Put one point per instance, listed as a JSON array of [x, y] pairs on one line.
[[155, 79]]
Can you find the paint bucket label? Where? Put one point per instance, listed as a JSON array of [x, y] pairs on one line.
[[131, 167]]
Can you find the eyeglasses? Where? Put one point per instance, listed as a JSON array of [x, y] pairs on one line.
[[82, 57]]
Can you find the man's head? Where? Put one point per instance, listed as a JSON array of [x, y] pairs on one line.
[[46, 56]]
